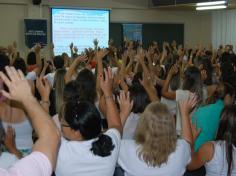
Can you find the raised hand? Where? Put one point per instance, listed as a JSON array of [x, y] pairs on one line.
[[37, 48], [106, 83], [126, 105], [95, 42], [71, 46], [101, 54], [147, 84], [81, 58], [10, 49], [186, 106], [19, 88], [75, 49], [43, 87], [174, 70]]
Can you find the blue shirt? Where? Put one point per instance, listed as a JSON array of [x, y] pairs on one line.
[[207, 119]]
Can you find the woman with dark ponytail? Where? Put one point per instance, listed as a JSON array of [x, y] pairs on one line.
[[219, 157], [85, 150]]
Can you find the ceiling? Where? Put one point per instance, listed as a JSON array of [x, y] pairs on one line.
[[231, 5]]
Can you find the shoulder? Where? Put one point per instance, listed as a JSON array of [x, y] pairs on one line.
[[184, 146], [114, 134], [36, 163], [182, 94]]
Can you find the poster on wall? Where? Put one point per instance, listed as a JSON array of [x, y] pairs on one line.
[[132, 32], [35, 32]]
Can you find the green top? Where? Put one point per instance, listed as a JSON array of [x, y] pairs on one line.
[[207, 119]]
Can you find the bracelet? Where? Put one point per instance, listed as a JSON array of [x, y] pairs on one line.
[[45, 102], [108, 97]]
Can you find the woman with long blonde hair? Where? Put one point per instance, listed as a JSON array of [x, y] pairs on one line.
[[156, 149]]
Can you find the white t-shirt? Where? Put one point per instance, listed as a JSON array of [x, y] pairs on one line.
[[35, 164], [50, 78], [75, 158], [130, 126], [171, 104], [7, 160], [133, 166], [31, 76], [218, 165]]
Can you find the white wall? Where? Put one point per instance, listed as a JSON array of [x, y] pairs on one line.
[[224, 27], [197, 24]]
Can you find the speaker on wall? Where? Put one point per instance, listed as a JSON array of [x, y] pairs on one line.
[[36, 2]]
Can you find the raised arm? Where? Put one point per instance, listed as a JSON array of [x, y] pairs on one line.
[[165, 89], [38, 56], [149, 88], [99, 57], [112, 114], [126, 106], [185, 108], [73, 67], [44, 89], [19, 90]]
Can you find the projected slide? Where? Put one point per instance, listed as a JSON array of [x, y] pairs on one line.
[[80, 27]]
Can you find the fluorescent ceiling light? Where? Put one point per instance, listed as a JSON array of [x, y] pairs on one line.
[[211, 3], [211, 7]]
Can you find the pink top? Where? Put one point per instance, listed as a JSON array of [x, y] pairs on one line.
[[35, 164]]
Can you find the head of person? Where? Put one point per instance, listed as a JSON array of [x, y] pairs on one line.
[[64, 56], [227, 133], [156, 134], [81, 122], [87, 85], [192, 81], [224, 92], [139, 97], [227, 70], [19, 64], [31, 58], [58, 62], [59, 84], [205, 65], [70, 91]]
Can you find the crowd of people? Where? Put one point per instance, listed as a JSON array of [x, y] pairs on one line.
[[165, 110]]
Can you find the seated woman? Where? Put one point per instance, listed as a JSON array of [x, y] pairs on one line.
[[207, 117], [12, 114], [140, 100], [192, 83], [43, 158], [219, 156], [156, 149], [85, 150]]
